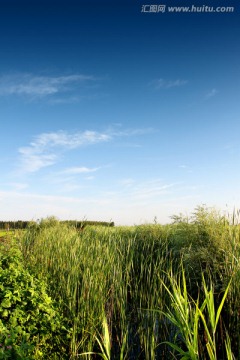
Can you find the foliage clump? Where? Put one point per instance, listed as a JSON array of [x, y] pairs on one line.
[[114, 286], [29, 323]]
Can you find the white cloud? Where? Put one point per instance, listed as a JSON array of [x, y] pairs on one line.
[[127, 182], [136, 191], [130, 132], [140, 202], [151, 189], [27, 206], [79, 170], [185, 167], [211, 93], [18, 186], [39, 86], [70, 187], [68, 141], [46, 148], [32, 161], [168, 84], [66, 100]]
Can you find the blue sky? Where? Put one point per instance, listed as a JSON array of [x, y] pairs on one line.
[[110, 113]]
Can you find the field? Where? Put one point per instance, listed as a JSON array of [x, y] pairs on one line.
[[142, 292], [4, 233]]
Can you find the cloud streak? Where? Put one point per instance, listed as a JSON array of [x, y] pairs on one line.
[[40, 86], [168, 84], [46, 149], [145, 190], [79, 170], [211, 93], [151, 189]]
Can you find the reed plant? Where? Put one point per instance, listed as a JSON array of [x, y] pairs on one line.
[[108, 280], [190, 318]]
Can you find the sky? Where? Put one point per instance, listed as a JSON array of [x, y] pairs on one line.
[[124, 111]]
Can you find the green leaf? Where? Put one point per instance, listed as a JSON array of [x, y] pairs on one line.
[[6, 303]]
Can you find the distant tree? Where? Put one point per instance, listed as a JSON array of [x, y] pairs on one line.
[[6, 226]]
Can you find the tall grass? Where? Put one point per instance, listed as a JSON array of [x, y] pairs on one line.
[[108, 281], [186, 314]]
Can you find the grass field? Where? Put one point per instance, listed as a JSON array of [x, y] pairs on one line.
[[4, 233], [143, 292]]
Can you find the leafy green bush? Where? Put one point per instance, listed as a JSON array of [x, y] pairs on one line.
[[30, 326]]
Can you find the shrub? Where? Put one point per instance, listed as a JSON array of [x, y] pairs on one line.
[[30, 325]]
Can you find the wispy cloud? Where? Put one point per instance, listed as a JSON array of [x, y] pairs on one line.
[[167, 84], [40, 86], [46, 149], [211, 93], [79, 170], [68, 141], [127, 182], [148, 189], [32, 161], [151, 189], [69, 187], [185, 168], [38, 205], [134, 132], [18, 186]]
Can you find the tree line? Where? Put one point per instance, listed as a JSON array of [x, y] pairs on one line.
[[14, 225], [20, 224]]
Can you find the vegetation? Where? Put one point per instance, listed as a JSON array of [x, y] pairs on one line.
[[29, 321], [142, 292], [19, 224]]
